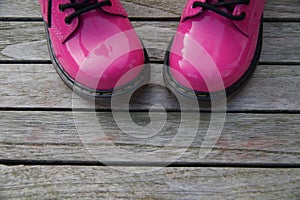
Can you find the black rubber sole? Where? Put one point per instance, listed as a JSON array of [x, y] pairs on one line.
[[205, 97], [84, 91]]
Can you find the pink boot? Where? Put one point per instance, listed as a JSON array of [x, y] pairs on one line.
[[93, 46], [216, 47]]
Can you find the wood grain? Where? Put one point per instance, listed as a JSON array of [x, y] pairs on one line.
[[148, 8], [281, 40], [39, 86], [246, 138], [69, 182], [37, 125]]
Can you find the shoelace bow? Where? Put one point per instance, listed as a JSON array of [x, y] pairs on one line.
[[81, 8], [215, 7]]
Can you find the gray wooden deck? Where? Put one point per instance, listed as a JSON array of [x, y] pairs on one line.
[[42, 156]]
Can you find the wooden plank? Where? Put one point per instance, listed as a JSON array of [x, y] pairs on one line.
[[69, 182], [246, 138], [149, 8], [281, 40], [39, 86]]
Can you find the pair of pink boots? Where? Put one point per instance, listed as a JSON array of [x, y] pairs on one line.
[[96, 51]]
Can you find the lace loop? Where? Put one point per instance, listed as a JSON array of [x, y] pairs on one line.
[[227, 4], [81, 8]]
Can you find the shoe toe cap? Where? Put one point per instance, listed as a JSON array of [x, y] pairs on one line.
[[102, 72], [201, 75]]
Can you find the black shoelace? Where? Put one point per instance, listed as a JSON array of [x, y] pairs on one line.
[[228, 5], [81, 8]]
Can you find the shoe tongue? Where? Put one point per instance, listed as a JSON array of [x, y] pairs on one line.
[[189, 11], [228, 9], [116, 8]]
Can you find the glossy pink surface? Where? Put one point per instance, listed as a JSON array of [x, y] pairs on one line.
[[209, 48], [98, 47]]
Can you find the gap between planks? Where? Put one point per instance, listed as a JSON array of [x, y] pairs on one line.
[[176, 164]]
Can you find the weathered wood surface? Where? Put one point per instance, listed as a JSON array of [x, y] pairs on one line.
[[44, 128], [246, 138], [67, 182], [38, 86], [27, 41], [148, 8]]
